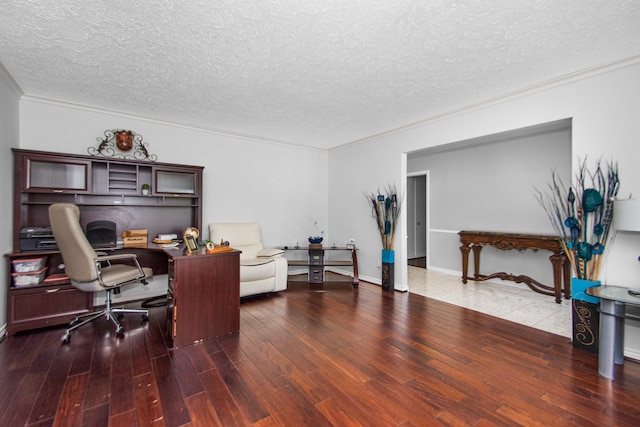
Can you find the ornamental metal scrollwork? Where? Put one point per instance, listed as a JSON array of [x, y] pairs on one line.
[[584, 333], [119, 143]]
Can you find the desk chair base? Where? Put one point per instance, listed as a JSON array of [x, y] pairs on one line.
[[108, 312]]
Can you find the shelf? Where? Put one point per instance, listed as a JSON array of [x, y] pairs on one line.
[[41, 285], [326, 263], [327, 248], [123, 177], [316, 262], [302, 278]]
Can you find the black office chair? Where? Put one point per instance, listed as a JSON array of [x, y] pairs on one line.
[[92, 271]]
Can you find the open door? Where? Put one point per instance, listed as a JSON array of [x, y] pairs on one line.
[[417, 219]]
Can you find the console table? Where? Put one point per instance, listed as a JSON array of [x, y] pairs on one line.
[[320, 257], [613, 300], [475, 240]]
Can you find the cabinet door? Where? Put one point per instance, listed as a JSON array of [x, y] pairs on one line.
[[44, 174], [205, 298], [42, 306], [168, 181]]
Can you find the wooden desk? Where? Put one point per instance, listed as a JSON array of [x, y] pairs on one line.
[[475, 240], [203, 296], [104, 188]]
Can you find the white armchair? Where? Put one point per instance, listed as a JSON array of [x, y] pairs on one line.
[[261, 270]]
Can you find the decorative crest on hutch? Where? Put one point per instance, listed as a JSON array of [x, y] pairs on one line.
[[119, 143]]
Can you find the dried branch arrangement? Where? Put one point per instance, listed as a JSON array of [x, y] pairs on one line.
[[581, 215], [386, 211]]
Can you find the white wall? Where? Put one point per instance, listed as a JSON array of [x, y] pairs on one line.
[[490, 186], [9, 137], [603, 105], [282, 187]]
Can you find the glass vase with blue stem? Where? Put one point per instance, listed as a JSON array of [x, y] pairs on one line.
[[388, 270], [389, 209], [386, 212]]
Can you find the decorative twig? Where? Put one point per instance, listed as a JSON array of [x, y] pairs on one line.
[[385, 209], [582, 215]]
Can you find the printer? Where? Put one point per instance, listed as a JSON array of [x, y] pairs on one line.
[[37, 239]]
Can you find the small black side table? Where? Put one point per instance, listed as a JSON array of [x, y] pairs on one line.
[[319, 257]]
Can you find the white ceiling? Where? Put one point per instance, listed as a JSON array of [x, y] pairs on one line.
[[312, 72]]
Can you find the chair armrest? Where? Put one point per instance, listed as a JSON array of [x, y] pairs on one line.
[[118, 257], [270, 252], [106, 257]]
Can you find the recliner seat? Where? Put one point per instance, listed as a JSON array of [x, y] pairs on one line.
[[262, 270]]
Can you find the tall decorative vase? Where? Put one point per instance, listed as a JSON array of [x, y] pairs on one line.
[[585, 315], [388, 274]]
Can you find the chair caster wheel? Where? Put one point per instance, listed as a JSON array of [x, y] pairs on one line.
[[66, 338], [120, 330], [145, 317]]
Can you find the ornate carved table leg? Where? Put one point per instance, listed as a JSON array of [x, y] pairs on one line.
[[557, 260], [476, 260], [465, 261], [566, 271]]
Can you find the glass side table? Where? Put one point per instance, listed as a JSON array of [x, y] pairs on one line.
[[613, 300]]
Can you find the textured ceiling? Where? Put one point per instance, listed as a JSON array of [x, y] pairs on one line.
[[310, 72]]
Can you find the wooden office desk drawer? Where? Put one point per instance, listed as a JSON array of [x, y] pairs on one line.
[[40, 306]]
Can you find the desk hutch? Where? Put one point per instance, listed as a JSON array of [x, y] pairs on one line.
[[105, 188]]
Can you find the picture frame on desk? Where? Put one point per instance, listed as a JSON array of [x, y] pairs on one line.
[[190, 244]]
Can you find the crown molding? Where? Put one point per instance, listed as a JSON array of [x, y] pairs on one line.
[[6, 76], [549, 84], [562, 80], [205, 129]]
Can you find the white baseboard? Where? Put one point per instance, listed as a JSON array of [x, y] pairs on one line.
[[445, 271], [632, 354]]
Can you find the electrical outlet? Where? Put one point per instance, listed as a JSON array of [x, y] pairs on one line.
[[352, 240]]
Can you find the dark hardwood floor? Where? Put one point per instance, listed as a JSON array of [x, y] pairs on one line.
[[316, 356]]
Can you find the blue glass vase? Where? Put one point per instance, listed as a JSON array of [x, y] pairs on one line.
[[585, 315], [388, 273]]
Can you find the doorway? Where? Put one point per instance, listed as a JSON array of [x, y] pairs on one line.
[[417, 219]]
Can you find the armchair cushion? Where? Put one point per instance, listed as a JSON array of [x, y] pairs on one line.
[[262, 270], [255, 261], [269, 252], [250, 273], [242, 236]]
